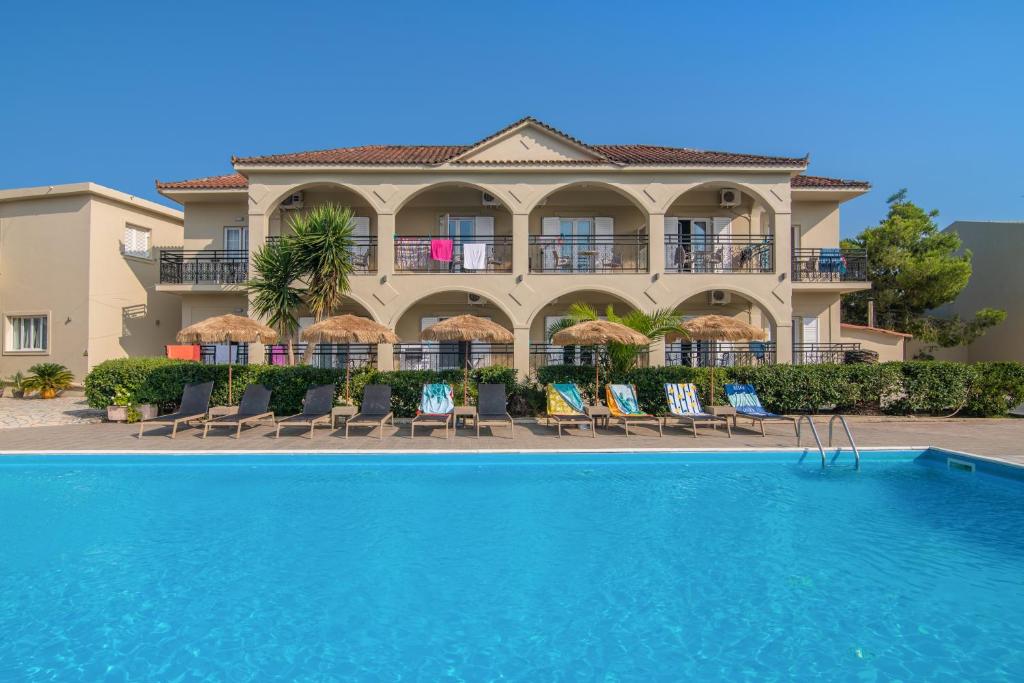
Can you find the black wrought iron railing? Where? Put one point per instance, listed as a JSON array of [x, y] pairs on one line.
[[594, 254], [542, 354], [720, 254], [430, 254], [720, 354], [204, 267], [813, 353], [364, 253], [451, 355], [830, 265], [325, 355], [218, 354]]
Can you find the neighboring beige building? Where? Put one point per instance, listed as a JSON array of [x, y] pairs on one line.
[[538, 220], [78, 275], [996, 282]]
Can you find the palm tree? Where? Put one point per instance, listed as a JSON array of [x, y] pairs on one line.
[[322, 241], [47, 379], [622, 357], [273, 295]]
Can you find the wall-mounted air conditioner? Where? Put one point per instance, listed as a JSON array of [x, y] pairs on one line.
[[293, 201], [719, 297], [728, 197], [488, 199], [476, 300]]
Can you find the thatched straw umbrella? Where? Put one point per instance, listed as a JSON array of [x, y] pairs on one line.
[[716, 328], [349, 329], [595, 333], [227, 329], [467, 328]]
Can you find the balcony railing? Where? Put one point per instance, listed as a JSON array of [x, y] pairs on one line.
[[364, 253], [542, 354], [416, 254], [204, 267], [595, 254], [451, 355], [813, 353], [325, 355], [719, 254], [720, 354], [217, 354], [830, 265]]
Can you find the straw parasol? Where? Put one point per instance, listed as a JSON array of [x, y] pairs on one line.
[[716, 328], [349, 329], [599, 332], [467, 328], [227, 329]]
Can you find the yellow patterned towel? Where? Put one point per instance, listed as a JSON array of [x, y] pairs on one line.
[[559, 397]]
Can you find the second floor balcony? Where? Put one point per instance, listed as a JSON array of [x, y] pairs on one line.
[[588, 254], [364, 253], [719, 253], [453, 254], [204, 267], [830, 265]]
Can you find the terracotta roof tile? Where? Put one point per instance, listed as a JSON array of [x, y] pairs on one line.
[[813, 181], [367, 154], [231, 181]]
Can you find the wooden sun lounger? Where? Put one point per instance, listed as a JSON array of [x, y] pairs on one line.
[[316, 409], [631, 419], [195, 403], [695, 419], [253, 409], [492, 408]]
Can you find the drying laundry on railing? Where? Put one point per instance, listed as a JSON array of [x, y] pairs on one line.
[[474, 256], [832, 261], [441, 250]]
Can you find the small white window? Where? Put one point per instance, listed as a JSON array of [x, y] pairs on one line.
[[136, 241], [28, 333]]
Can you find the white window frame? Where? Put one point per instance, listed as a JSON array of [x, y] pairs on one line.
[[243, 236], [9, 322], [148, 255]]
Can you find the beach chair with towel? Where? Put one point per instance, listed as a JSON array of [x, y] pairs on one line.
[[565, 407], [316, 409], [684, 408], [492, 408], [437, 408], [743, 398], [625, 408], [195, 403], [375, 409], [254, 408]]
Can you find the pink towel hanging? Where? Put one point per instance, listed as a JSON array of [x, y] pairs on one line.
[[441, 250]]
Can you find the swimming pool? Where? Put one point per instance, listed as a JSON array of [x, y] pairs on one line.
[[717, 566]]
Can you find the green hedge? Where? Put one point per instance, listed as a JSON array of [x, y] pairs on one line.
[[926, 387]]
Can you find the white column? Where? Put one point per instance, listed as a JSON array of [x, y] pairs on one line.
[[657, 353], [782, 225], [520, 243], [259, 225], [656, 248], [521, 351], [385, 244], [385, 356]]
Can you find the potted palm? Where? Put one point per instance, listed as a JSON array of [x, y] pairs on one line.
[[48, 379], [17, 385]]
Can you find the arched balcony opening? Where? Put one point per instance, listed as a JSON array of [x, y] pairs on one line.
[[325, 354], [414, 354], [588, 228], [453, 228], [705, 353], [719, 227]]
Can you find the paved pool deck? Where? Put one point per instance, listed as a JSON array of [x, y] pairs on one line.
[[1001, 439]]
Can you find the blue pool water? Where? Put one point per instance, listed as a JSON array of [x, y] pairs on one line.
[[621, 567]]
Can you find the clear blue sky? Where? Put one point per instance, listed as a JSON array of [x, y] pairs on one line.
[[926, 96]]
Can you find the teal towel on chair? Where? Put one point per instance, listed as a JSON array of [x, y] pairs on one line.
[[437, 399], [571, 395]]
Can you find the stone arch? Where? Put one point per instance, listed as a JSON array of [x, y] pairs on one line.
[[267, 206], [771, 312], [615, 294], [446, 288], [773, 204], [399, 203], [586, 184]]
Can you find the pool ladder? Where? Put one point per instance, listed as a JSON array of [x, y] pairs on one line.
[[817, 439]]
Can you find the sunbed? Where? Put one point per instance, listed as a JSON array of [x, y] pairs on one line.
[[492, 408], [437, 407], [375, 409], [744, 399], [565, 407], [684, 408], [625, 408], [254, 408], [316, 409], [195, 402]]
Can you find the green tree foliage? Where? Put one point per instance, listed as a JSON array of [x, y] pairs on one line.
[[914, 268], [322, 243], [273, 294]]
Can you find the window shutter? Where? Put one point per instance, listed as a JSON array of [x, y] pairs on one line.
[[604, 230], [361, 227], [721, 227], [810, 331], [551, 226]]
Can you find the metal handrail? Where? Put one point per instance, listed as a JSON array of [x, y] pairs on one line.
[[814, 432], [849, 435]]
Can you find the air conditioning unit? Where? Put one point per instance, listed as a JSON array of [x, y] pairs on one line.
[[476, 300], [728, 197], [293, 201], [719, 297], [488, 199]]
